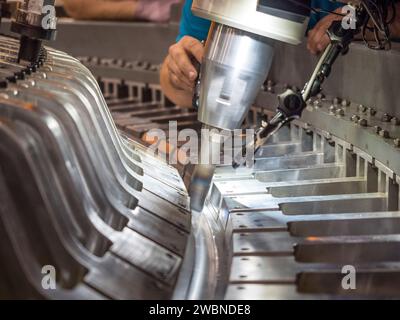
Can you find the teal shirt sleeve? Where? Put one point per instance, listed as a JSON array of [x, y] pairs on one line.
[[191, 25]]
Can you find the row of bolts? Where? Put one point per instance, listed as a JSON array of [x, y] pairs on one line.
[[338, 106]]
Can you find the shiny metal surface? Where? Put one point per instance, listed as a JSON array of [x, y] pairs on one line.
[[200, 185], [291, 231], [243, 14]]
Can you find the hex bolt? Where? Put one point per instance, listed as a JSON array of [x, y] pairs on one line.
[[355, 118], [345, 103], [266, 85], [336, 101], [377, 129], [332, 109], [328, 136], [386, 118], [396, 142], [384, 134], [309, 132], [372, 111], [308, 128], [362, 108], [395, 121], [363, 122], [340, 112], [317, 103]]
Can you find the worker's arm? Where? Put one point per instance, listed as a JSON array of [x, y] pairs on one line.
[[101, 10], [178, 74]]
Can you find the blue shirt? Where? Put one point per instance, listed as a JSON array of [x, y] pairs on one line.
[[198, 28], [191, 25], [321, 4]]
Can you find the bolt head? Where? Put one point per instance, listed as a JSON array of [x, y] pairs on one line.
[[345, 103], [372, 111], [386, 118], [363, 122], [362, 108], [395, 121], [336, 101], [384, 134], [396, 142], [317, 103], [328, 136], [340, 112]]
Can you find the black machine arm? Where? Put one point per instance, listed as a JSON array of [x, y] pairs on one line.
[[290, 103]]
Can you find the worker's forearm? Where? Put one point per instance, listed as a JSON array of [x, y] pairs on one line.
[[101, 10], [182, 98]]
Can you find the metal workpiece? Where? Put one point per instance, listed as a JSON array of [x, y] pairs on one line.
[[293, 223]]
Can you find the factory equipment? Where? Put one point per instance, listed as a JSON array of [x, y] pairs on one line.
[[239, 53], [72, 184], [236, 63], [80, 194], [322, 197]]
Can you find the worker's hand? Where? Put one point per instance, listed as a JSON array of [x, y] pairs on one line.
[[181, 71], [318, 39]]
